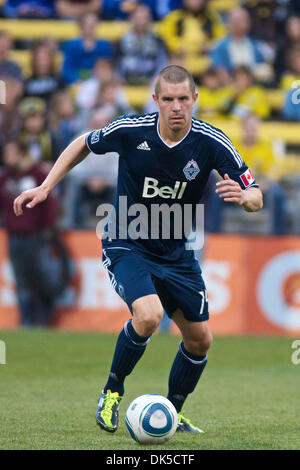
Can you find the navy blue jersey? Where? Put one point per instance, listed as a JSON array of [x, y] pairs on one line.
[[153, 173]]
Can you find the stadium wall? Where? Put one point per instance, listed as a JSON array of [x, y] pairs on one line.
[[253, 287]]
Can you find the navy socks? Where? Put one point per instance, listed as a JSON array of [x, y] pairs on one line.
[[184, 376], [129, 349], [185, 372]]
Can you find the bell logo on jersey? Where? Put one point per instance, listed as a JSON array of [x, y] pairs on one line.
[[151, 189], [247, 178]]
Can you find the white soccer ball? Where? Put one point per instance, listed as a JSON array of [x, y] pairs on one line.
[[151, 419]]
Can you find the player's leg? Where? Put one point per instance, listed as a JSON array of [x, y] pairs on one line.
[[140, 294], [147, 314], [184, 296], [196, 335], [131, 345], [188, 364], [132, 341]]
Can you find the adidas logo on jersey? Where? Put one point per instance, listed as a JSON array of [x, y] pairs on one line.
[[143, 146]]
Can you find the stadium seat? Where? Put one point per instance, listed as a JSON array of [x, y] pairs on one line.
[[224, 5], [23, 58], [59, 29], [275, 98], [137, 95], [286, 131]]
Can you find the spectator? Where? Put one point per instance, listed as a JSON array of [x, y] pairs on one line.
[[141, 54], [292, 72], [52, 45], [161, 8], [191, 31], [8, 68], [81, 54], [294, 7], [238, 48], [247, 97], [109, 98], [76, 8], [259, 155], [291, 42], [9, 120], [291, 108], [44, 80], [29, 9], [268, 19], [33, 131], [213, 98], [122, 9], [11, 91], [117, 9], [89, 90], [64, 122], [37, 275], [256, 150]]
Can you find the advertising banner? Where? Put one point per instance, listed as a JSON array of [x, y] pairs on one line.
[[253, 286]]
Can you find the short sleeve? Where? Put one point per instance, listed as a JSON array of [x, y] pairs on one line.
[[228, 160], [107, 139]]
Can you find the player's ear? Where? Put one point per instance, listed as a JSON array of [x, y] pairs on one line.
[[195, 97], [155, 98]]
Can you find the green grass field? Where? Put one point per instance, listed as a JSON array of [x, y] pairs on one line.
[[248, 397]]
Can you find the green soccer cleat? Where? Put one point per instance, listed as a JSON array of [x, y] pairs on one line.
[[107, 414], [185, 425]]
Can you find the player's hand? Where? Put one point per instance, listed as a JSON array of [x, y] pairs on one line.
[[32, 197], [230, 191]]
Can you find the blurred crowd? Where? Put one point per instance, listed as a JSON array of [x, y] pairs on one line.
[[238, 57]]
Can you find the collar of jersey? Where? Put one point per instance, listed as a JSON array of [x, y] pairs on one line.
[[177, 143]]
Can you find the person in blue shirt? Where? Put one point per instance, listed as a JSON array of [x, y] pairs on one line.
[[122, 9], [161, 8], [165, 159], [237, 48], [29, 9], [291, 107], [81, 54]]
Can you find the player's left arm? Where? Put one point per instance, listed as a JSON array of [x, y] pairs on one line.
[[238, 184], [250, 198]]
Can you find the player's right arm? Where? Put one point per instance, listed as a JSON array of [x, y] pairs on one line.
[[71, 156], [98, 141]]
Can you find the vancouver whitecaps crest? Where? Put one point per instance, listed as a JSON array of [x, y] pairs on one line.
[[191, 170]]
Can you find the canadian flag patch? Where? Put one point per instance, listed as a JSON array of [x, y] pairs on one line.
[[247, 178]]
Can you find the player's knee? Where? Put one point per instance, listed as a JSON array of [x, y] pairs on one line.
[[149, 320], [200, 345], [206, 341]]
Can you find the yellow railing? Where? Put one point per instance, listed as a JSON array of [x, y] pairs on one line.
[[59, 29]]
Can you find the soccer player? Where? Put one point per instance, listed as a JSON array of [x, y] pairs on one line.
[[164, 157]]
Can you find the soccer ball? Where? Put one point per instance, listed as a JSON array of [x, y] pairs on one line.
[[151, 419]]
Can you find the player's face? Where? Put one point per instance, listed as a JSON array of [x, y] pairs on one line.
[[175, 104]]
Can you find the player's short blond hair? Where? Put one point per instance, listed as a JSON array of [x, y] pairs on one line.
[[174, 74]]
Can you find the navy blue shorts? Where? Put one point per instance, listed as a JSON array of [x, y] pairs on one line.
[[178, 284]]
